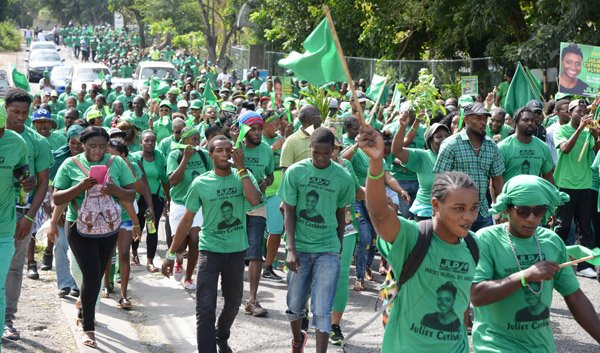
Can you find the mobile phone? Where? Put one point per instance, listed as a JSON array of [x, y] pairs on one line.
[[98, 172]]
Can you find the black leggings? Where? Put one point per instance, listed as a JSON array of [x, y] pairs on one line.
[[92, 255], [151, 239]]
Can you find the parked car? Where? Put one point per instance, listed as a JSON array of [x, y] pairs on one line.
[[88, 73], [146, 69], [60, 75], [40, 60]]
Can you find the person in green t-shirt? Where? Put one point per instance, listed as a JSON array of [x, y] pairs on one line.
[[222, 196], [315, 193], [519, 268], [503, 88], [576, 145], [91, 253], [496, 129], [258, 158], [524, 153], [184, 164], [427, 314], [14, 157]]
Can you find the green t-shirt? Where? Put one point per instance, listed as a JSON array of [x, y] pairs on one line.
[[441, 284], [256, 83], [316, 194], [571, 173], [83, 107], [399, 172], [155, 171], [422, 163], [40, 153], [165, 145], [13, 155], [272, 189], [521, 321], [223, 205], [360, 163], [57, 139], [596, 177], [504, 130], [259, 161], [502, 92], [140, 122], [163, 127], [69, 175], [194, 168], [519, 158], [125, 100], [347, 141]]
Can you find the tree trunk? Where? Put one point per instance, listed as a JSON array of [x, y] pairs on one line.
[[211, 38], [516, 20], [140, 21]]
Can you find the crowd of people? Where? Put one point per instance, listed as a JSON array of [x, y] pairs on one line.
[[482, 201]]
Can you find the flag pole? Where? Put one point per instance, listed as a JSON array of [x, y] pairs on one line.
[[576, 261], [338, 46]]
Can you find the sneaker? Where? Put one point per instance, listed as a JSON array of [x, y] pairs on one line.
[[588, 273], [298, 346], [11, 333], [74, 293], [335, 336], [178, 272], [223, 346], [189, 284], [254, 309], [46, 261], [64, 292], [269, 273], [32, 272]]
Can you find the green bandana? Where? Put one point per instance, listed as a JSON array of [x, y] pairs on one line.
[[273, 117], [189, 131], [529, 190]]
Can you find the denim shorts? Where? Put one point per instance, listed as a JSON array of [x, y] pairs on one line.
[[127, 225], [255, 226], [318, 275], [274, 215]]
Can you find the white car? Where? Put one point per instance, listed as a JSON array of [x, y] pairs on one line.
[[43, 45], [88, 73], [146, 69], [60, 75]]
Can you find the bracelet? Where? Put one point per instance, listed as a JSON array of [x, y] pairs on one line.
[[414, 128], [136, 226], [171, 256], [375, 177], [240, 171], [242, 177], [523, 282], [28, 218]]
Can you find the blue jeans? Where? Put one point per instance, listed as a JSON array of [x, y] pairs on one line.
[[255, 228], [411, 187], [481, 222], [318, 274], [63, 266], [367, 234], [7, 250]]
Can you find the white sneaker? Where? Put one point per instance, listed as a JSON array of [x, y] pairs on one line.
[[178, 272], [189, 285], [588, 273]]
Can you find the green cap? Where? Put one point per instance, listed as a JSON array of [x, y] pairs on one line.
[[165, 102], [46, 74], [93, 114], [173, 90], [196, 104], [228, 107]]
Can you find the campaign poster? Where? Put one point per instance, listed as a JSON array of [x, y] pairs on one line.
[[579, 71], [469, 85]]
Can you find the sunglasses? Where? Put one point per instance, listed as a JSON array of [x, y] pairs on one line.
[[525, 211]]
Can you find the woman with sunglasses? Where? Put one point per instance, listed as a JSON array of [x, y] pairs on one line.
[[518, 270], [161, 123]]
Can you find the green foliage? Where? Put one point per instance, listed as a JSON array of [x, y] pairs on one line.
[[192, 41], [80, 11], [317, 97], [451, 90], [10, 38], [423, 96]]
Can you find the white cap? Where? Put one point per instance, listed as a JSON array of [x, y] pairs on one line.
[[333, 103], [182, 104]]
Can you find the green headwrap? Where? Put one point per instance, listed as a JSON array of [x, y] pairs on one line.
[[74, 131], [189, 131], [274, 116], [529, 190]]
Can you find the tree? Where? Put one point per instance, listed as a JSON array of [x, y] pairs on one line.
[[219, 25], [81, 11], [137, 8]]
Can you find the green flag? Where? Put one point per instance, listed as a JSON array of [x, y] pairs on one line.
[[19, 79], [521, 90], [578, 252], [378, 89], [243, 131], [320, 62], [101, 75], [396, 98], [176, 145], [209, 95], [158, 88]]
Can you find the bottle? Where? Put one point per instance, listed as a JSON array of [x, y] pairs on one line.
[[23, 195], [149, 223]]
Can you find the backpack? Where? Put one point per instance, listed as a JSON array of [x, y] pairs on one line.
[[390, 288], [99, 215]]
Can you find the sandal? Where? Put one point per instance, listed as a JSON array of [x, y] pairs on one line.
[[89, 341], [151, 268], [135, 259], [125, 304], [105, 293], [359, 285]]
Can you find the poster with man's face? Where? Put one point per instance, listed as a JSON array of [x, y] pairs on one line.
[[579, 71], [468, 85]]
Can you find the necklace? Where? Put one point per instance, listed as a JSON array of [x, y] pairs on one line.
[[539, 249]]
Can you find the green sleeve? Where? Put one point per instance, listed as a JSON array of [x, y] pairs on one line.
[[43, 158], [559, 137], [172, 163], [62, 181], [485, 266], [347, 193], [287, 190], [548, 163], [122, 172], [397, 252], [415, 159], [192, 198]]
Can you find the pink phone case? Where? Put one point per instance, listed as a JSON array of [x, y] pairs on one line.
[[98, 172]]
